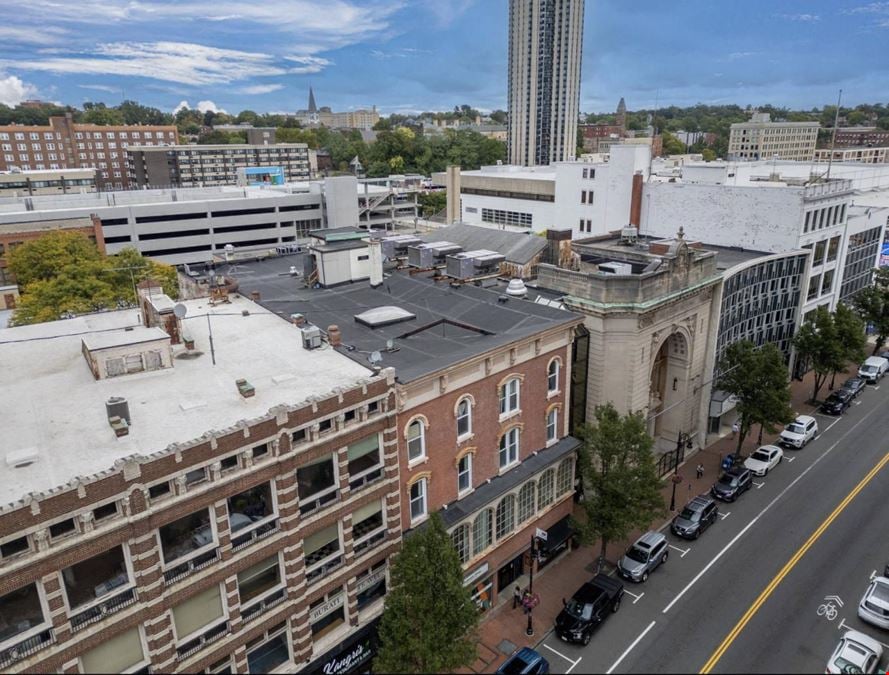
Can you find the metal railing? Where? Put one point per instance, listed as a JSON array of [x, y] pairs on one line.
[[668, 461], [196, 645], [252, 536], [26, 647], [252, 611], [174, 574], [103, 609]]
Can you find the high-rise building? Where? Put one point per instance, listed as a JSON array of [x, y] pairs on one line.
[[545, 40]]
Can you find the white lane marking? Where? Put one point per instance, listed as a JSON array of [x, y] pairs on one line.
[[630, 648], [573, 665], [638, 597], [788, 458], [857, 402], [766, 509], [682, 551], [842, 625], [759, 484], [835, 422], [724, 515], [873, 575], [877, 388], [560, 654]]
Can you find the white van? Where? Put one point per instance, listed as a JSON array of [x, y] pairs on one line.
[[873, 369]]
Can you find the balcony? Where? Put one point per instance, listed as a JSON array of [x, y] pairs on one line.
[[174, 574], [26, 647], [23, 627], [252, 515], [366, 544], [208, 637], [97, 587], [254, 535], [325, 569], [264, 605], [105, 608]]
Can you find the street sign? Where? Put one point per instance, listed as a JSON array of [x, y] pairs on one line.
[[540, 534]]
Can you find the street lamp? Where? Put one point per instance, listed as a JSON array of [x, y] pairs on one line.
[[676, 479]]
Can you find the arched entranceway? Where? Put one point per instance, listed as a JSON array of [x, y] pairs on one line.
[[668, 390]]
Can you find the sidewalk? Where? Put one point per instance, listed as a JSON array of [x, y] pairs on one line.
[[502, 630]]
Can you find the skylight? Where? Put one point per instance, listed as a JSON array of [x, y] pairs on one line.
[[384, 316]]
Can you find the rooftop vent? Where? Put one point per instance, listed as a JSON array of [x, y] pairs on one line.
[[245, 389], [516, 288], [117, 406], [384, 316], [21, 458]]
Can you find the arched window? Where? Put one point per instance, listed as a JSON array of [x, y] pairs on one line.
[[481, 532], [416, 440], [526, 501], [552, 425], [464, 417], [460, 537], [509, 447], [563, 477], [505, 516], [509, 396], [552, 376], [545, 489]]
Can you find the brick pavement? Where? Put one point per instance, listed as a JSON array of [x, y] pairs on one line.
[[502, 630]]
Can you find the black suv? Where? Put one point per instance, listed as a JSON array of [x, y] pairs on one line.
[[732, 484], [699, 514], [838, 402], [589, 607]]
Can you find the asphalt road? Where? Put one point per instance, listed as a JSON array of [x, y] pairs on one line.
[[744, 597]]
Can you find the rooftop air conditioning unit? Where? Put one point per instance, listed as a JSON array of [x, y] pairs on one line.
[[424, 256], [474, 264], [396, 246], [615, 268], [311, 336]]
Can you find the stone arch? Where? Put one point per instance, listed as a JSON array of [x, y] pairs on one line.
[[669, 379]]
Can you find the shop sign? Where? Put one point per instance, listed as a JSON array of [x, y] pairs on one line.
[[476, 574], [323, 610]]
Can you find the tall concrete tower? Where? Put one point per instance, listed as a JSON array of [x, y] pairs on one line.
[[545, 41], [621, 118]]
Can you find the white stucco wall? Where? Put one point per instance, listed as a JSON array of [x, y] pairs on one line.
[[543, 214]]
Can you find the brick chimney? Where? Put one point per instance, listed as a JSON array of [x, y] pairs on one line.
[[334, 337], [636, 200]]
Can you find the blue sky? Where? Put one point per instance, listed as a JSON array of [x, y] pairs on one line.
[[409, 55]]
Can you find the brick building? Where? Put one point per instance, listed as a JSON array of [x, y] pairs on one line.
[[65, 144], [231, 511], [869, 137]]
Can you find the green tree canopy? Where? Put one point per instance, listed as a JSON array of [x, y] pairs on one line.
[[429, 620], [758, 378], [621, 487], [850, 333], [872, 304], [818, 344]]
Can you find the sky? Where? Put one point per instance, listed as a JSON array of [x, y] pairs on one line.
[[406, 56]]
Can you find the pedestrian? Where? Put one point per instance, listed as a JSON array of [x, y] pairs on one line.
[[700, 470], [516, 597], [735, 429], [526, 601]]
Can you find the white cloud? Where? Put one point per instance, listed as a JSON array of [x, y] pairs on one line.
[[309, 64], [13, 90], [209, 106], [404, 53], [46, 35], [183, 105], [804, 18], [261, 89], [100, 87], [447, 11], [870, 8], [181, 62], [734, 56]]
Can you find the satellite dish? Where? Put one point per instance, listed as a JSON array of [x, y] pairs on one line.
[[375, 358], [180, 311]]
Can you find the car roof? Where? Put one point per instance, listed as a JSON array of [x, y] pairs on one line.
[[699, 502], [527, 654], [853, 379], [650, 539], [767, 448], [864, 641], [588, 592], [804, 419]]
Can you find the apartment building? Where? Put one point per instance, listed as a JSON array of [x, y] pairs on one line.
[[864, 155], [49, 182], [848, 137], [65, 144], [482, 385], [213, 165], [232, 510], [760, 138]]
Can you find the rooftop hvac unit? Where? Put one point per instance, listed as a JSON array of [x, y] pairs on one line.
[[628, 235], [311, 337], [615, 268], [430, 254], [397, 245], [474, 264]]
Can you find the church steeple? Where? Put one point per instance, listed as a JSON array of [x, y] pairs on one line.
[[312, 107], [621, 114]]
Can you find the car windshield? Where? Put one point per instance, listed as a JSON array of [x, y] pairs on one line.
[[846, 666], [760, 456], [579, 610], [795, 428], [688, 514], [637, 554], [515, 666], [869, 369], [881, 592], [852, 383]]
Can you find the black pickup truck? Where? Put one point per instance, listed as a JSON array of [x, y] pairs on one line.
[[588, 607]]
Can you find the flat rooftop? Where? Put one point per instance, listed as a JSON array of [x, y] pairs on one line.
[[543, 173], [52, 405], [450, 323]]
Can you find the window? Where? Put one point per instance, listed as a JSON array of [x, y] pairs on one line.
[[13, 547], [26, 626], [464, 473], [552, 425], [509, 448], [464, 418], [552, 376], [269, 650], [509, 396], [322, 552], [160, 490], [258, 580], [545, 487], [317, 483], [418, 499], [105, 511], [122, 653], [298, 436], [101, 582], [368, 527], [820, 247], [250, 510], [371, 584], [365, 461], [827, 282], [228, 464], [481, 532], [62, 529], [832, 249], [181, 537], [505, 516], [196, 476], [460, 539], [563, 477], [327, 613], [197, 613], [526, 502], [416, 440]]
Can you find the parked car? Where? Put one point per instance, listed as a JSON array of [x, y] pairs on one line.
[[799, 432], [732, 484], [856, 653], [855, 385], [643, 557], [588, 608], [764, 459], [873, 369], [874, 606], [524, 662], [838, 402], [699, 514]]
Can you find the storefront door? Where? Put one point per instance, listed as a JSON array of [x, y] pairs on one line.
[[510, 572]]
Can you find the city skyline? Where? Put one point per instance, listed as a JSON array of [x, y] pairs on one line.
[[414, 55]]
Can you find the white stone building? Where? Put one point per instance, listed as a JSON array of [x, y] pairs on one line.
[[760, 138]]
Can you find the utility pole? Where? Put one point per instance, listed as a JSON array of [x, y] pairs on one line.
[[833, 136]]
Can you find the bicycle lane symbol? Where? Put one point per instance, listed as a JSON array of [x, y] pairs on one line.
[[830, 608]]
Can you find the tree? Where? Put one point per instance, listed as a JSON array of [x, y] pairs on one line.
[[872, 304], [757, 377], [850, 333], [621, 488], [429, 620], [432, 202], [99, 113], [818, 344], [672, 145], [708, 154]]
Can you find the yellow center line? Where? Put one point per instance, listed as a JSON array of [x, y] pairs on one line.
[[730, 638]]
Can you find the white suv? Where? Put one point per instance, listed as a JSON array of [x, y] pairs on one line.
[[799, 432]]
